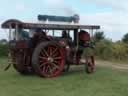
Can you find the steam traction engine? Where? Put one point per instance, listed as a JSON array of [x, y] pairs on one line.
[[48, 49]]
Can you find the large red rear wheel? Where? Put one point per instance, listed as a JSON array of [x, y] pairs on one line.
[[48, 59]]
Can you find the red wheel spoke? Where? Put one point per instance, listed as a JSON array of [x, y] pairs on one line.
[[55, 54], [43, 64], [42, 54], [53, 67], [41, 57], [54, 51], [46, 69], [50, 69], [56, 58], [57, 67], [43, 69], [45, 52], [49, 51], [55, 62]]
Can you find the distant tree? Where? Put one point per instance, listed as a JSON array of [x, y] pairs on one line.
[[125, 38], [99, 36], [3, 41]]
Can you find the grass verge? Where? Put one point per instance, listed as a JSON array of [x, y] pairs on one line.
[[104, 82]]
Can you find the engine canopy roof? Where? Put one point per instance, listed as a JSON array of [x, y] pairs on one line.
[[50, 26]]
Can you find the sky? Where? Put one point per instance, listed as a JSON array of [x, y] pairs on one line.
[[111, 15]]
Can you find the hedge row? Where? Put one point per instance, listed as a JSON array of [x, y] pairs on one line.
[[3, 50], [112, 51]]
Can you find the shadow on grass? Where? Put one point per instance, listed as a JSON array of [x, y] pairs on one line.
[[74, 70]]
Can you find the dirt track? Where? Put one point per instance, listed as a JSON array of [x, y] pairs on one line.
[[113, 65]]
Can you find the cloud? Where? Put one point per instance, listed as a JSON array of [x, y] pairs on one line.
[[120, 5], [58, 6], [112, 24]]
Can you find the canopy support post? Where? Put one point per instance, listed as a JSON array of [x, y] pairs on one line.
[[10, 29], [53, 32], [76, 36], [92, 34], [17, 35]]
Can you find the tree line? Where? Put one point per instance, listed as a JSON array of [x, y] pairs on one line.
[[108, 50]]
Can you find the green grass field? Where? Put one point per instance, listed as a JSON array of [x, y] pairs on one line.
[[104, 82]]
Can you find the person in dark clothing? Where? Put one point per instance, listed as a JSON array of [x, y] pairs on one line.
[[64, 34]]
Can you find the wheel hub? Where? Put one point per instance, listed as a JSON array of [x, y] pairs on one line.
[[50, 59]]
